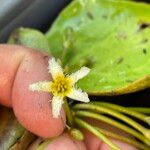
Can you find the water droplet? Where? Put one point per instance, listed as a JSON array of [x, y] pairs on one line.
[[108, 87], [68, 37], [122, 73], [111, 62], [74, 10], [93, 1], [102, 80], [83, 2], [121, 35]]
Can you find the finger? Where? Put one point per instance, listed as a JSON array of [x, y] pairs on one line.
[[91, 141], [94, 143], [121, 145], [9, 63], [32, 109], [63, 142]]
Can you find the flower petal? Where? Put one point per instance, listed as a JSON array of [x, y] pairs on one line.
[[54, 68], [79, 95], [57, 102], [41, 86], [79, 74]]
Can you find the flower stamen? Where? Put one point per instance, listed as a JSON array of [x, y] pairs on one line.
[[62, 86]]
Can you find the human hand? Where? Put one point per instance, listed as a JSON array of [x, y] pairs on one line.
[[19, 67]]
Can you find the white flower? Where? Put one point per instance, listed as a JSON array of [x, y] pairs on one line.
[[61, 86]]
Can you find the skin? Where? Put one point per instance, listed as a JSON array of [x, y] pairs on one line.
[[21, 66], [65, 142], [93, 143], [62, 142]]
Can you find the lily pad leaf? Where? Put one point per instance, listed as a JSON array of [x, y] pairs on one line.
[[110, 37], [29, 37]]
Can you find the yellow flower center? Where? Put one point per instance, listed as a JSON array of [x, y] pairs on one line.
[[61, 85]]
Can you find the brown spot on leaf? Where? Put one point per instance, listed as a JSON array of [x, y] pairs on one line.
[[144, 51], [144, 26], [119, 60], [90, 15], [104, 16], [144, 41], [88, 62], [129, 81], [16, 37]]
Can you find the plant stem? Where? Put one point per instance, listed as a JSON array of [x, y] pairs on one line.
[[123, 110], [68, 113], [93, 130], [124, 139], [140, 110], [112, 122], [116, 114]]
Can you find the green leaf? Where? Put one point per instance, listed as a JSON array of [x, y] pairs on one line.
[[29, 37], [110, 37], [12, 133]]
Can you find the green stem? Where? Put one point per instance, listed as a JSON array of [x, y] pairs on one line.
[[116, 114], [123, 110], [68, 113], [140, 110], [93, 130], [124, 139], [112, 122]]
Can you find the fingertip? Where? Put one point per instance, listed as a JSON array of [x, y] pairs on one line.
[[33, 109], [65, 142], [91, 141]]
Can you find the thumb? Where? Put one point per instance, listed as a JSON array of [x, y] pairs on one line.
[[63, 142], [20, 67]]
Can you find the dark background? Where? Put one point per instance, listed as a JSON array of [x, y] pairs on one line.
[[37, 14]]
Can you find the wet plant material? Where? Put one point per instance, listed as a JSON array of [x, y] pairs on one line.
[[12, 135], [131, 120], [118, 116]]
